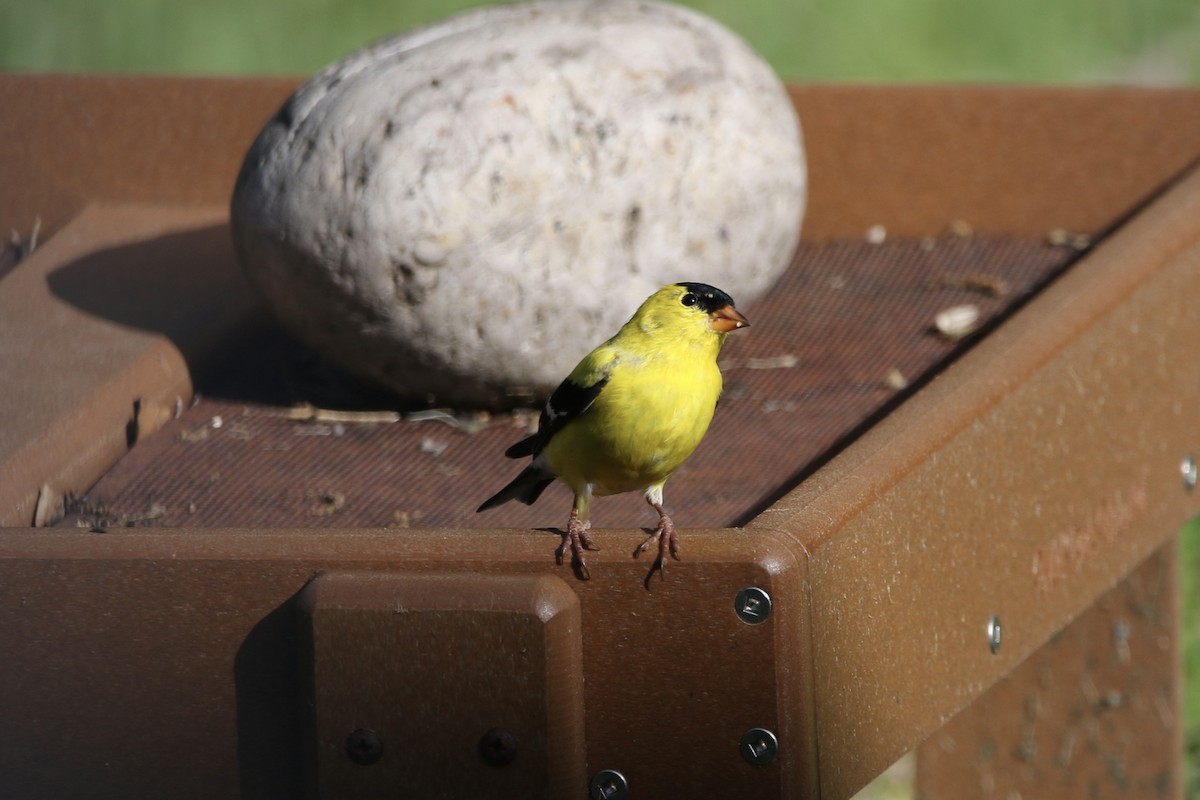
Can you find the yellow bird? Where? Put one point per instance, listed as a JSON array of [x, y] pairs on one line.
[[630, 413]]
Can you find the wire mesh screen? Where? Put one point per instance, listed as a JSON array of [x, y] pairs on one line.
[[846, 334]]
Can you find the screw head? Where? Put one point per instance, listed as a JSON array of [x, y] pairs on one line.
[[608, 784], [752, 605], [994, 634], [1188, 470], [498, 747], [364, 747], [759, 746]]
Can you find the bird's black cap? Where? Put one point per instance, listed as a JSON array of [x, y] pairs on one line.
[[709, 298]]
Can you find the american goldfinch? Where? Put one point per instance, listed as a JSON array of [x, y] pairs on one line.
[[630, 413]]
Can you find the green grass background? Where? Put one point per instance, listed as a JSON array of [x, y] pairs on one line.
[[1189, 580], [1001, 41], [1061, 41]]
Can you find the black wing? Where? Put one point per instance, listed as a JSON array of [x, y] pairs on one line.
[[567, 403]]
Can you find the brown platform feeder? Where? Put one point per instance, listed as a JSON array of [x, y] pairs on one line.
[[252, 587]]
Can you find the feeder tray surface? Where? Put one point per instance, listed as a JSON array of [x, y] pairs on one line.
[[832, 346]]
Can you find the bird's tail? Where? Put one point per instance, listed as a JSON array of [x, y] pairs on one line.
[[526, 487]]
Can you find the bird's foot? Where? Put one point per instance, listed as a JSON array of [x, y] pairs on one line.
[[578, 539], [664, 534]]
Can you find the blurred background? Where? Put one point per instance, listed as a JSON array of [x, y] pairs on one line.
[[1077, 42], [1065, 41]]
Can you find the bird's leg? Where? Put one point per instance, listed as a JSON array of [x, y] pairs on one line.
[[577, 537], [664, 534]]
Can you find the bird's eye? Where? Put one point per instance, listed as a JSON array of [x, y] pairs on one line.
[[688, 299]]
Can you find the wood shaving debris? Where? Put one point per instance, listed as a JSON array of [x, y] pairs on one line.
[[896, 379], [18, 247], [433, 447], [239, 430], [1061, 237], [335, 430], [526, 419], [405, 518], [467, 422], [50, 507], [155, 511], [957, 322], [102, 520], [782, 361], [194, 435], [309, 413]]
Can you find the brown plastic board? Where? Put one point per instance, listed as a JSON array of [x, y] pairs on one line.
[[1094, 713], [170, 663], [917, 159], [419, 675], [100, 331], [913, 158], [77, 140], [1022, 481]]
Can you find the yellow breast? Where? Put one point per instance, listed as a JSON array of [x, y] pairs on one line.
[[646, 422]]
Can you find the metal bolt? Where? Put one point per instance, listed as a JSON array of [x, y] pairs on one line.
[[752, 605], [498, 747], [608, 784], [759, 746], [364, 747], [1188, 470], [994, 633]]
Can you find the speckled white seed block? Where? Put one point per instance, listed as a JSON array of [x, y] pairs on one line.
[[463, 211]]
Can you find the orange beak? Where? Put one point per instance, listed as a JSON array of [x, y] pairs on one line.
[[726, 319]]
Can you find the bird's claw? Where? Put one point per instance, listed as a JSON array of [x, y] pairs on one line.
[[578, 539], [664, 535]]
